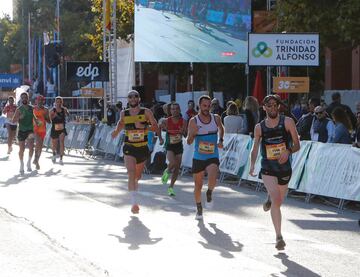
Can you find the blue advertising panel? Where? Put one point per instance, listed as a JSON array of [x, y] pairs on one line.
[[192, 31], [10, 80]]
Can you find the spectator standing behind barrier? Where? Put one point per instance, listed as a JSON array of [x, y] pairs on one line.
[[303, 126], [322, 128], [233, 122], [191, 112], [251, 112], [118, 109], [357, 131], [111, 115], [215, 107], [343, 126], [336, 102]]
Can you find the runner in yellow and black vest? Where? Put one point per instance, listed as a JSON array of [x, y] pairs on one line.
[[136, 121]]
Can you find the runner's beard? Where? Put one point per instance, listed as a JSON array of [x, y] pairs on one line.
[[272, 115], [204, 112], [134, 105]]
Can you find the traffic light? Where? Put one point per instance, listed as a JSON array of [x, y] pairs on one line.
[[53, 54]]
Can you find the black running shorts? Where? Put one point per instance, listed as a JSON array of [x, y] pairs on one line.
[[141, 154], [282, 176], [201, 165]]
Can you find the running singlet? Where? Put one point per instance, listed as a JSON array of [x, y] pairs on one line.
[[9, 110], [58, 122], [26, 119], [274, 142], [134, 136], [174, 134], [39, 122], [206, 139]]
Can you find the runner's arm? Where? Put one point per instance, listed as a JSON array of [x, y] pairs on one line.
[[255, 149], [16, 116], [154, 125], [184, 128], [291, 128], [192, 131], [47, 116], [119, 126], [220, 128]]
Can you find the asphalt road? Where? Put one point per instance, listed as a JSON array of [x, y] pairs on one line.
[[82, 208], [166, 37]]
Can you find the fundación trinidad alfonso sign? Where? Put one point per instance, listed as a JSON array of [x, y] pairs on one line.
[[283, 49]]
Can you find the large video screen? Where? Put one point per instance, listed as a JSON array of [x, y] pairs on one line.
[[192, 30]]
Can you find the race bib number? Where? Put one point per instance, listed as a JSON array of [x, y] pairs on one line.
[[136, 135], [174, 139], [206, 147], [59, 126], [273, 151]]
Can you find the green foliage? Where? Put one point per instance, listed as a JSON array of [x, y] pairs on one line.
[[125, 22]]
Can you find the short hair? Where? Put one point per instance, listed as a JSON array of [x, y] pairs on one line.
[[207, 97], [314, 101], [175, 104], [271, 97], [59, 97], [335, 96], [11, 97], [191, 101], [340, 115], [24, 92]]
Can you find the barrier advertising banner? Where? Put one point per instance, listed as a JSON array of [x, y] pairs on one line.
[[291, 84], [10, 80], [283, 49], [332, 170]]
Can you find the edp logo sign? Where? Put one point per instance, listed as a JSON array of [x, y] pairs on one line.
[[87, 71]]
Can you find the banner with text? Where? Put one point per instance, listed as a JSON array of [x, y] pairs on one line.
[[283, 49], [87, 71]]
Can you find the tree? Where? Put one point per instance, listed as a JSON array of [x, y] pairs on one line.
[[125, 22]]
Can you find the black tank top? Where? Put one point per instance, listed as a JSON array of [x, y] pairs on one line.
[[274, 142], [59, 117]]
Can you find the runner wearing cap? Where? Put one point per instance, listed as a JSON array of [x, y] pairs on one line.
[[24, 116], [136, 121], [41, 117], [9, 110], [277, 138]]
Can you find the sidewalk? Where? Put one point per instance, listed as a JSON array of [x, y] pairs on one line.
[[26, 252]]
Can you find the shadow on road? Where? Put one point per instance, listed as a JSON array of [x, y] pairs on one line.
[[218, 240], [340, 225], [4, 159], [17, 179], [136, 234], [293, 268]]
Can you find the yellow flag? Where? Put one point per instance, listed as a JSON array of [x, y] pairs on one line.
[[107, 14]]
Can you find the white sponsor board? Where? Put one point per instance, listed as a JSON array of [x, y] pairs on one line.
[[332, 170], [284, 49]]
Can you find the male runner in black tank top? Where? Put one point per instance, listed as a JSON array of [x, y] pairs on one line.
[[278, 138]]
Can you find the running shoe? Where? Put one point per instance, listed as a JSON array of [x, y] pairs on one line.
[[37, 165], [280, 243], [135, 209], [198, 216], [9, 150], [61, 162], [171, 191], [165, 177], [53, 159], [267, 204], [209, 202]]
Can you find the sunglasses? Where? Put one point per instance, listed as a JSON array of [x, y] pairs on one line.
[[133, 96]]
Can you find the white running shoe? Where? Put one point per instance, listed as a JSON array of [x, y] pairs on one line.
[[198, 216], [61, 162]]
